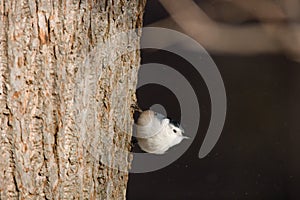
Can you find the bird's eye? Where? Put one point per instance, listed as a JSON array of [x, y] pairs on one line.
[[174, 131]]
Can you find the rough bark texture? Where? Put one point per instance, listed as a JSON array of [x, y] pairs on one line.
[[66, 88]]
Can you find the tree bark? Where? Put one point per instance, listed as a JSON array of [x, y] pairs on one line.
[[66, 87]]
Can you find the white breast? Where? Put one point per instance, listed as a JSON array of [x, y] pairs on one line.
[[160, 142]]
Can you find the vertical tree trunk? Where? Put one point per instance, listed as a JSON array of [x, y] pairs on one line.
[[66, 87]]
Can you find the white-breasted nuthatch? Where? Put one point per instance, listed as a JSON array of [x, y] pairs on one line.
[[156, 133]]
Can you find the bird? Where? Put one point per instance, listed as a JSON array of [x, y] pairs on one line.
[[157, 133]]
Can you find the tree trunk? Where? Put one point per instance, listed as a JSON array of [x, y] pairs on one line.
[[66, 87]]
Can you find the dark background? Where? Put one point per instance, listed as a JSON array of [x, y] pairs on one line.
[[256, 156]]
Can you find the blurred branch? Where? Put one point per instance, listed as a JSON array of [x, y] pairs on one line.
[[292, 9], [258, 8], [272, 35]]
